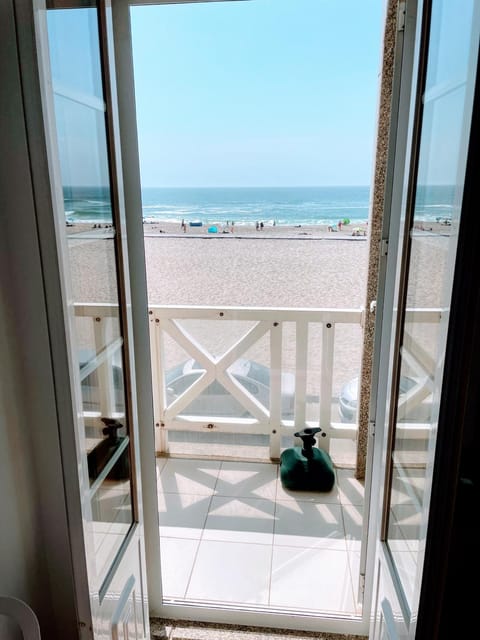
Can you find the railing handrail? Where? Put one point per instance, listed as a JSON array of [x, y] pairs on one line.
[[289, 314], [90, 309]]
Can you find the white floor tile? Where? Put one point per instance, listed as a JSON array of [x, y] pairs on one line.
[[408, 485], [177, 556], [218, 521], [406, 565], [182, 515], [354, 562], [311, 579], [160, 463], [240, 520], [351, 490], [405, 524], [247, 480], [231, 572], [309, 525], [353, 522], [196, 477]]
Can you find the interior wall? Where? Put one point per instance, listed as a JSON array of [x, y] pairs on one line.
[[21, 557], [35, 562]]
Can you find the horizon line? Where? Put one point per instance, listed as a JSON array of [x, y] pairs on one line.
[[253, 186]]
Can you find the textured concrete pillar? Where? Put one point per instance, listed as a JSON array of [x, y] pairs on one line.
[[375, 228]]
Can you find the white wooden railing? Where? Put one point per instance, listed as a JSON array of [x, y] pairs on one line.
[[260, 324]]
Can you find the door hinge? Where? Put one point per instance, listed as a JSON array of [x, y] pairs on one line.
[[371, 427], [383, 247], [401, 16]]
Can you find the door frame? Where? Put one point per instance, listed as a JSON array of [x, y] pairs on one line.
[[399, 148], [126, 574], [400, 139], [426, 618]]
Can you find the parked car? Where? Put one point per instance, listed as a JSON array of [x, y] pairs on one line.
[[348, 400], [215, 400]]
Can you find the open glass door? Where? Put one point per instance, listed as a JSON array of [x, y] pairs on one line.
[[441, 121], [86, 180]]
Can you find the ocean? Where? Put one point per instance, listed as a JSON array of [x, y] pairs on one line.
[[248, 205]]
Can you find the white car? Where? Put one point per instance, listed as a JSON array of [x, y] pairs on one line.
[[348, 400], [215, 400]]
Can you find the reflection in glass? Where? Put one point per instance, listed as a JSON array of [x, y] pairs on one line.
[[83, 156], [90, 259], [112, 513], [433, 241]]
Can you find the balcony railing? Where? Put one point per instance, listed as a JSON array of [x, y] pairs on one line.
[[285, 337], [263, 371]]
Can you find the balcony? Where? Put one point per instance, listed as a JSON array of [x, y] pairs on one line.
[[221, 426], [231, 535]]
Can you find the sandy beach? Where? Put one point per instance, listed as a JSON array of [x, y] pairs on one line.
[[279, 266], [276, 267]]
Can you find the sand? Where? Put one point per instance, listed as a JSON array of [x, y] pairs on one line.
[[279, 267]]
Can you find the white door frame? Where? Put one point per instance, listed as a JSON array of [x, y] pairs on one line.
[[398, 147], [122, 592], [396, 182], [392, 615]]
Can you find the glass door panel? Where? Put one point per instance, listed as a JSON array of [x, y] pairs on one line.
[[431, 253], [91, 267]]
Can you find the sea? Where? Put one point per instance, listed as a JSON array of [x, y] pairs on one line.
[[248, 205]]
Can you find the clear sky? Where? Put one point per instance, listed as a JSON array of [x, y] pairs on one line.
[[257, 92]]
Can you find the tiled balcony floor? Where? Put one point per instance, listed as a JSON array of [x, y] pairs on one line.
[[231, 534]]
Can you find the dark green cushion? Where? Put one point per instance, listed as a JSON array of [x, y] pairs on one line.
[[306, 474]]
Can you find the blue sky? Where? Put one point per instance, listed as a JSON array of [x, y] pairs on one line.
[[257, 93]]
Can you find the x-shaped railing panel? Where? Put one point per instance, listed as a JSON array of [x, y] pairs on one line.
[[215, 369]]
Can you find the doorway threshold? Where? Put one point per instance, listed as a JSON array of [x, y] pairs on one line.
[[168, 629]]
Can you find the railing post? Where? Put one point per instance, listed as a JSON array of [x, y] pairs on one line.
[[106, 387], [161, 436], [326, 382], [301, 362], [275, 389]]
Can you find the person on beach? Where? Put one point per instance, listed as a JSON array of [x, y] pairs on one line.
[[184, 226], [257, 225], [261, 226], [339, 225]]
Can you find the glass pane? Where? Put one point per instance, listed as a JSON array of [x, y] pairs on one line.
[[90, 259], [112, 512], [433, 241]]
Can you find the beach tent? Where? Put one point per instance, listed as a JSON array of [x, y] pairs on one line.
[[212, 229]]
